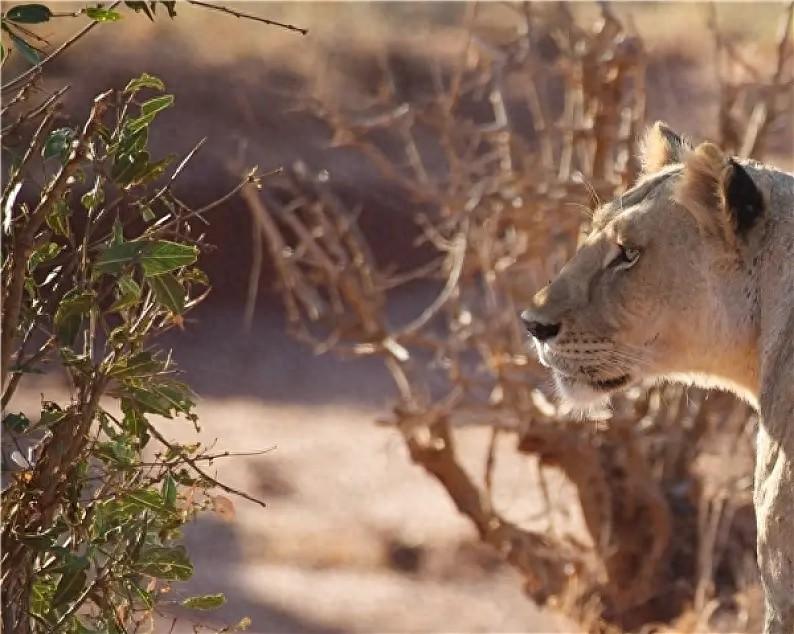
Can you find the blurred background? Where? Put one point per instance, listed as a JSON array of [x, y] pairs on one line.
[[357, 536]]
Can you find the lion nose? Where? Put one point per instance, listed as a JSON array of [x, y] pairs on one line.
[[540, 331]]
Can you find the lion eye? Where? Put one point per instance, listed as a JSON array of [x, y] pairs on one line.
[[626, 258]]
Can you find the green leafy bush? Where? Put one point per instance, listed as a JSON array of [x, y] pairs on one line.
[[99, 258]]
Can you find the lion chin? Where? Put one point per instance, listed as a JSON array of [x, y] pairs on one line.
[[587, 395]]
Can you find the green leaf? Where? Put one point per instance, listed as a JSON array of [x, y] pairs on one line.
[[128, 285], [134, 422], [140, 365], [43, 254], [163, 397], [156, 104], [168, 292], [149, 110], [196, 275], [70, 586], [41, 593], [28, 13], [93, 197], [59, 143], [102, 15], [113, 259], [117, 232], [145, 499], [128, 294], [147, 171], [79, 362], [130, 153], [205, 602], [134, 126], [51, 413], [165, 563], [28, 52], [16, 422], [145, 400], [58, 218], [68, 317], [117, 451], [146, 213], [163, 256], [169, 492], [145, 80], [156, 257], [145, 597]]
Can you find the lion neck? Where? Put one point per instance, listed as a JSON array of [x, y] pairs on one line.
[[726, 353]]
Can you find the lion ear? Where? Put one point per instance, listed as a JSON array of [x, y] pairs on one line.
[[660, 147], [716, 188]]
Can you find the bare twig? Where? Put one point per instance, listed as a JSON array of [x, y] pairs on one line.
[[248, 16], [34, 70], [194, 464]]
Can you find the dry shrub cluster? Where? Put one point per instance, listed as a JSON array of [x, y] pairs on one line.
[[499, 157]]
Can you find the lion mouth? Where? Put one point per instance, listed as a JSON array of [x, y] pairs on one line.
[[607, 385], [598, 385]]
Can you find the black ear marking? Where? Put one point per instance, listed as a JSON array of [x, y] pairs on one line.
[[743, 200]]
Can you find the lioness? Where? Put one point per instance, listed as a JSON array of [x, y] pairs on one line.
[[689, 276]]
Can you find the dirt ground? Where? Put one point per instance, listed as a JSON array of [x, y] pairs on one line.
[[355, 538]]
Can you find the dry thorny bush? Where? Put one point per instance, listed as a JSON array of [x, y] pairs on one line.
[[663, 480]]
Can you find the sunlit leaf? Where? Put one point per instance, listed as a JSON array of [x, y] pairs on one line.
[[102, 15], [116, 451], [205, 602], [68, 317], [51, 413], [128, 294], [58, 218], [169, 492], [94, 196], [138, 365], [44, 253], [117, 232], [156, 104], [134, 421], [145, 80], [168, 292], [163, 256], [113, 259], [41, 593], [166, 563]]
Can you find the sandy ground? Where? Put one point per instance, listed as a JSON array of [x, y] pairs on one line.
[[355, 538]]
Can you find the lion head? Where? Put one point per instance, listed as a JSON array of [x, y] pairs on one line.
[[663, 285]]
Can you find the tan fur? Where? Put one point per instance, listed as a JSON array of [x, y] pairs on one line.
[[702, 304], [702, 187], [661, 146]]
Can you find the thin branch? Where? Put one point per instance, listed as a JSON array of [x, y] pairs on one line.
[[68, 43], [193, 463], [248, 16], [36, 111], [25, 231]]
